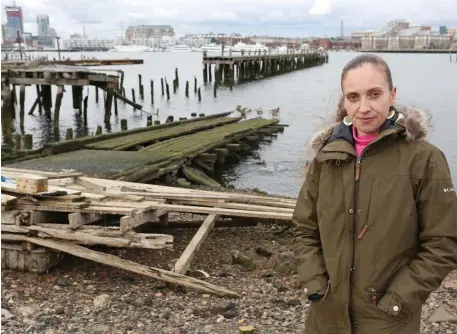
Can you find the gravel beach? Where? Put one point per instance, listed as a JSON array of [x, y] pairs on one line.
[[80, 296]]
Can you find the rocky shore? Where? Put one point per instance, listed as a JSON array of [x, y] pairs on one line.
[[84, 297]]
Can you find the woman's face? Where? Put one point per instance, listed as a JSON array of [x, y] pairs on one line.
[[367, 98]]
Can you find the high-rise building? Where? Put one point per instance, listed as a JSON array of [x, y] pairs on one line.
[[14, 23], [42, 25]]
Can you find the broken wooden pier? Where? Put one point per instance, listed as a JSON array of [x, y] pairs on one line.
[[244, 67], [181, 153]]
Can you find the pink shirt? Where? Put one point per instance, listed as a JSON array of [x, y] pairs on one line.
[[361, 141]]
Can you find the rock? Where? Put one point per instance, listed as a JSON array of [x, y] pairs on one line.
[[246, 262], [450, 284], [166, 315], [285, 263], [147, 301], [208, 329], [294, 302], [60, 310], [441, 314], [6, 315], [101, 302], [246, 329], [263, 252], [28, 311], [61, 281], [100, 329], [230, 314], [220, 319]]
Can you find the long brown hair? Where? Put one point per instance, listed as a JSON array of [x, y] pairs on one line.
[[359, 61]]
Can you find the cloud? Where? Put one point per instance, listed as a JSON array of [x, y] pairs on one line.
[[321, 7], [276, 17]]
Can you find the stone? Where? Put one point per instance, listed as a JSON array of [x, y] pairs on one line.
[[102, 329], [61, 281], [263, 252], [285, 263], [246, 262], [101, 302], [6, 315], [441, 315]]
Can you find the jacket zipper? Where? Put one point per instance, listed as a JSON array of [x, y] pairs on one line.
[[358, 166], [373, 296]]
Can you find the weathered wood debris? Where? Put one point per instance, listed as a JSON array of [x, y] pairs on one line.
[[73, 213]]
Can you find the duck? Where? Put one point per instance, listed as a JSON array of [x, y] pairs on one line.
[[274, 112]]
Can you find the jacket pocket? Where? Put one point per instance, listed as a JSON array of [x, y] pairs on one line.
[[321, 315], [372, 296]]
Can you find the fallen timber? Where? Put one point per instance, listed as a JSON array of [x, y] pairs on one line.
[[31, 220], [149, 154]]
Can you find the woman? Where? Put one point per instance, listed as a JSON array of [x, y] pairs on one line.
[[377, 215]]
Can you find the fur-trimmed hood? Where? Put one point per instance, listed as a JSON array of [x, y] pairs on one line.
[[415, 122]]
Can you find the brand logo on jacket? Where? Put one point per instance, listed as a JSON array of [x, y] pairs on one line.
[[448, 190]]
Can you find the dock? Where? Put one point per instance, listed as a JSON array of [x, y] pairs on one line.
[[179, 153], [248, 66], [76, 212]]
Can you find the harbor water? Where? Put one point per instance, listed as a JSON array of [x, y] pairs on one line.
[[305, 98]]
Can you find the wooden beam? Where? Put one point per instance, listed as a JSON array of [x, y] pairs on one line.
[[182, 265], [140, 218], [58, 82], [86, 183], [114, 261], [78, 219], [124, 99]]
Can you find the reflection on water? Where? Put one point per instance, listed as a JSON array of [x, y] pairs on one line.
[[305, 97]]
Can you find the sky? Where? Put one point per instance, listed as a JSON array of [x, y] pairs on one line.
[[288, 18]]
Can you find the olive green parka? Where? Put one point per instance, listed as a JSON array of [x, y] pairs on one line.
[[378, 233]]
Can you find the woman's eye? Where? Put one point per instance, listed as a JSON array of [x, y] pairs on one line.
[[352, 97], [375, 94]]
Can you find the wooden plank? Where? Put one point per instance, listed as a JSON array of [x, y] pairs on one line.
[[58, 82], [13, 237], [240, 206], [77, 219], [50, 175], [84, 238], [140, 218], [182, 265], [13, 229], [128, 265], [94, 208], [225, 212], [84, 182], [8, 200]]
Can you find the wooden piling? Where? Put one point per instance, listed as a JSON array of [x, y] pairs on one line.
[[123, 124], [28, 142], [14, 94], [108, 103], [46, 98], [99, 130], [21, 106], [193, 114], [205, 73], [85, 109], [115, 105], [59, 97], [140, 87], [7, 111], [149, 120], [170, 119], [152, 91], [17, 141], [177, 77], [38, 94], [161, 83], [156, 122], [209, 73], [96, 94], [69, 134], [175, 86], [187, 88], [77, 92], [121, 84], [199, 94], [168, 90], [133, 97], [215, 88], [195, 84]]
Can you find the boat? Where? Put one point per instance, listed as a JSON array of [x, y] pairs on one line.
[[180, 48], [238, 47]]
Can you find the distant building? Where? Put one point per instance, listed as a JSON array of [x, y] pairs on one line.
[[14, 23], [360, 34], [78, 42], [144, 32], [42, 25]]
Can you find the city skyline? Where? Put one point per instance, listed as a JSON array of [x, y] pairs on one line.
[[289, 18]]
